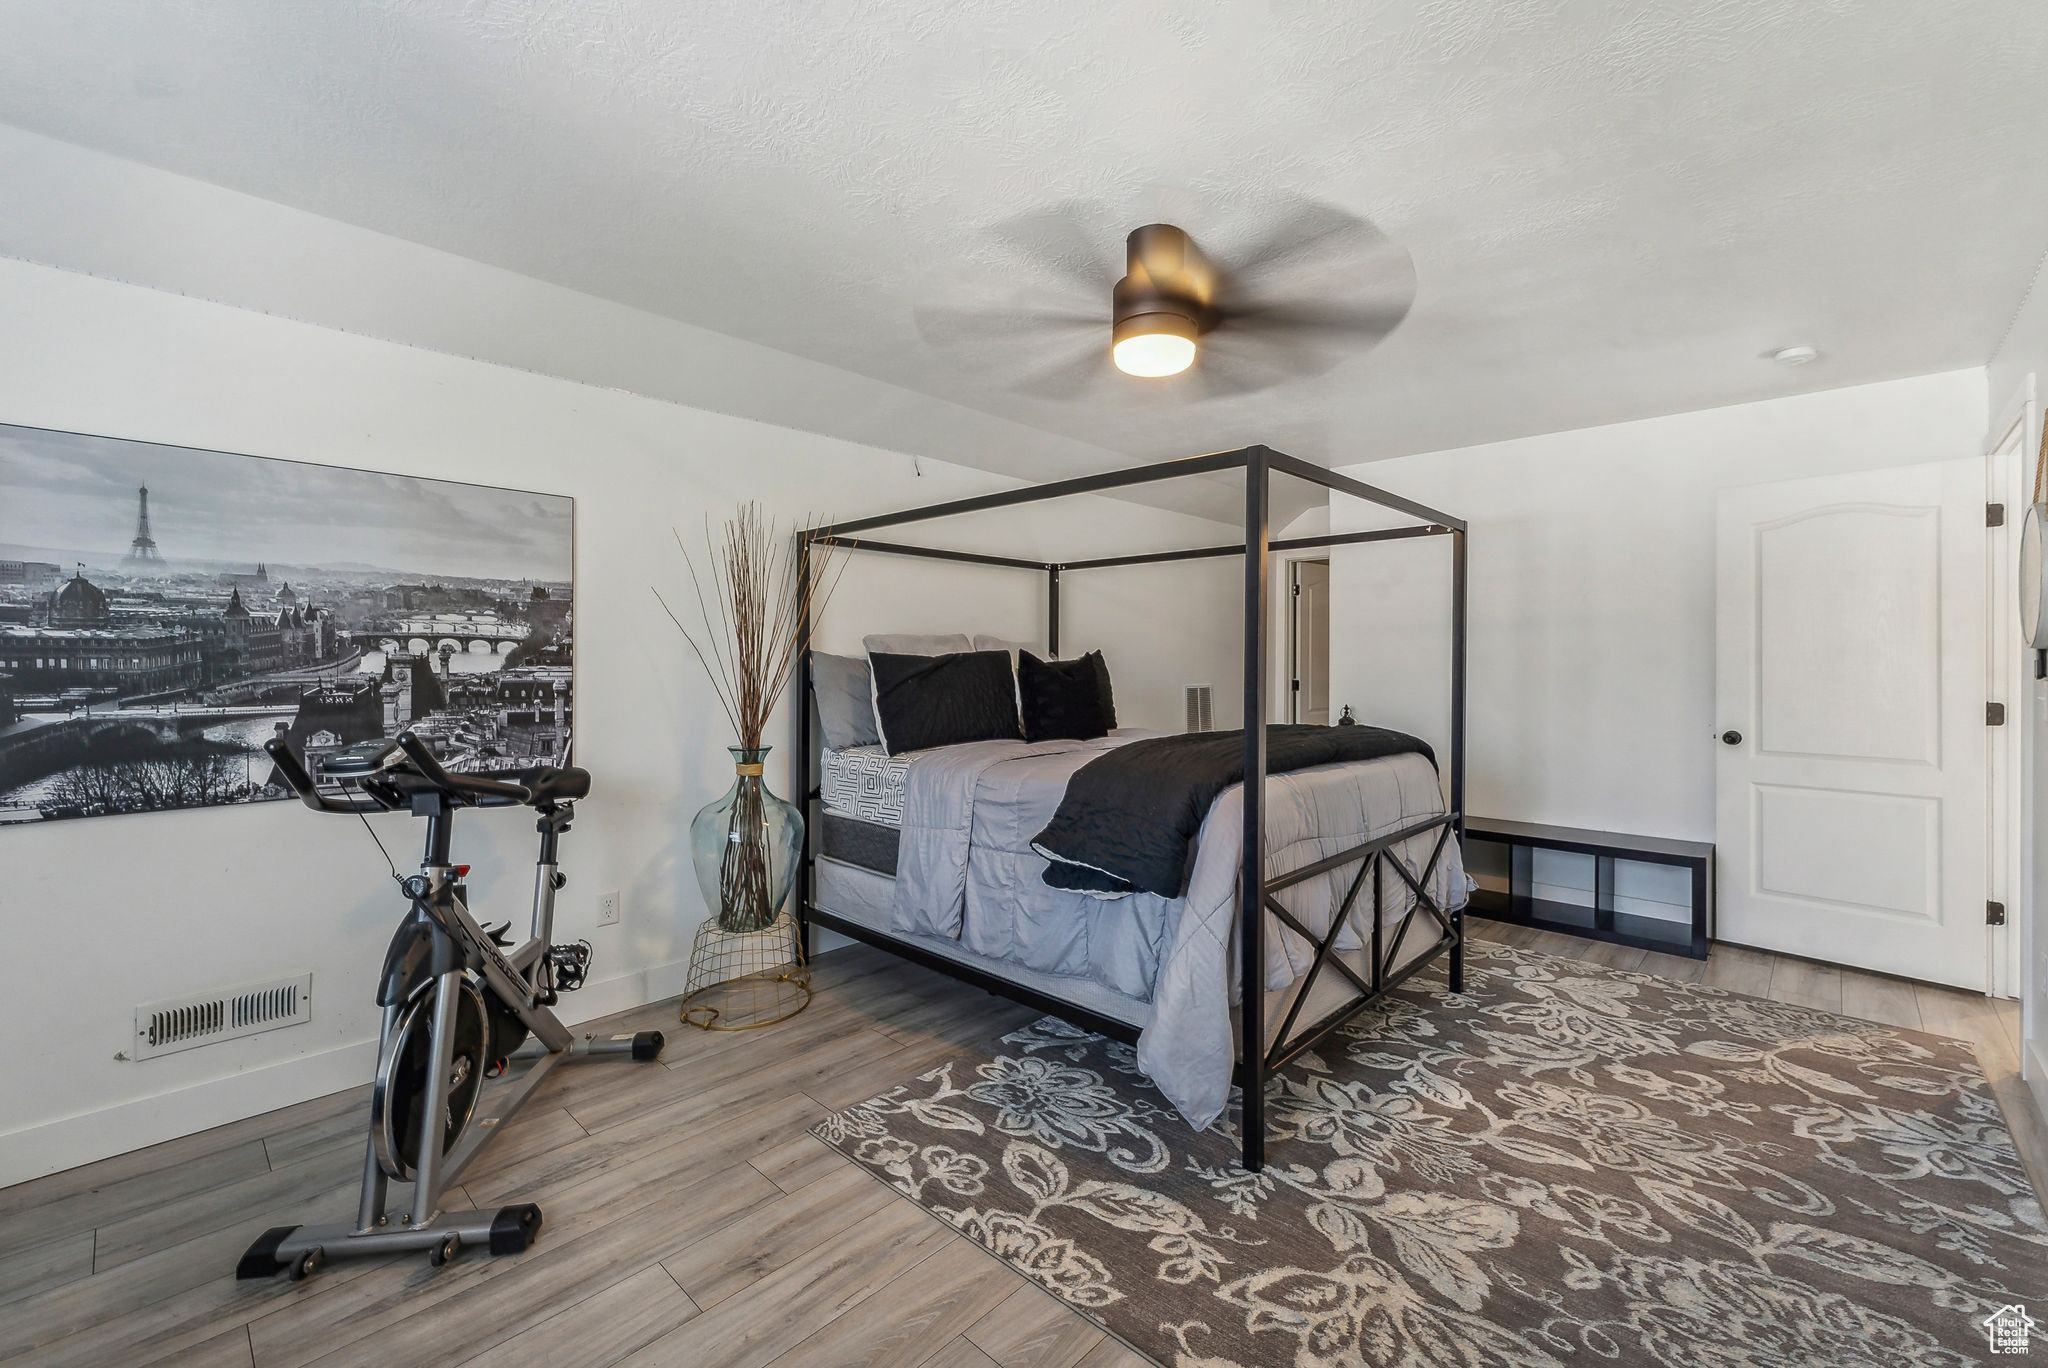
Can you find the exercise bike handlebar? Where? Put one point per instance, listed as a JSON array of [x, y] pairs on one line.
[[464, 785], [302, 783]]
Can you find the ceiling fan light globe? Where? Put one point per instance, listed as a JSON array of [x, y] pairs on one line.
[[1154, 345]]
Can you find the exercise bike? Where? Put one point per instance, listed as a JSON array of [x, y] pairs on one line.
[[459, 1005]]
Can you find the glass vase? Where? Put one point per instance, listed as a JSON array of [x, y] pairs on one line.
[[746, 845]]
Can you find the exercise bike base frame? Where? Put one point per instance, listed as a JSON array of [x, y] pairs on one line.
[[281, 1248], [287, 1248]]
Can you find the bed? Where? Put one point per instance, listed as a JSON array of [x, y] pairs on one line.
[[1152, 963], [1340, 880]]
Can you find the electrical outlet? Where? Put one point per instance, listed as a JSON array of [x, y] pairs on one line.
[[608, 908]]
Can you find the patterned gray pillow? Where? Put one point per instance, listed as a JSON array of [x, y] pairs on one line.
[[846, 704]]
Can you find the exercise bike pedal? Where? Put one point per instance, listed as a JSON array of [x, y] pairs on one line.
[[514, 1228]]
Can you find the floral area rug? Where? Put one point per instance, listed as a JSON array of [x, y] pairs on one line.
[[1566, 1164]]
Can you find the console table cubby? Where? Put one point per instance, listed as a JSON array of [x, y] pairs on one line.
[[1599, 920]]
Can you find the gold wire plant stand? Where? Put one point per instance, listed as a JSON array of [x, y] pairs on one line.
[[744, 980]]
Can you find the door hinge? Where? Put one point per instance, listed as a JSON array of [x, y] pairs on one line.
[[1297, 686], [1994, 914], [1994, 515], [1994, 714]]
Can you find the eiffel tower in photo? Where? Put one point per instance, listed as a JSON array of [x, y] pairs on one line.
[[142, 551]]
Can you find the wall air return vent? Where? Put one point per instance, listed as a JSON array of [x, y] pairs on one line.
[[201, 1019], [1198, 701]]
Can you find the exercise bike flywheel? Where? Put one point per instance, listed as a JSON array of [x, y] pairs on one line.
[[400, 1092]]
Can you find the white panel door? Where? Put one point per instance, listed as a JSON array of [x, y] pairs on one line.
[[1851, 791], [1312, 642]]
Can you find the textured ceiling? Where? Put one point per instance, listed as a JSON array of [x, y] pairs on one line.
[[1614, 207]]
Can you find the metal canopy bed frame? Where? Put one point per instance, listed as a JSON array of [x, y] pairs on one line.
[[1257, 893]]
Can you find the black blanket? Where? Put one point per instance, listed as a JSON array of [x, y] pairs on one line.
[[1130, 816]]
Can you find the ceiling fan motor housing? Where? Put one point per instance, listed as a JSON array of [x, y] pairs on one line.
[[1169, 289]]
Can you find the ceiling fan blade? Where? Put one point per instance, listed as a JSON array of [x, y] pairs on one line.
[[1308, 228], [984, 327], [1069, 378], [1369, 320], [1338, 242], [1063, 242], [1231, 366]]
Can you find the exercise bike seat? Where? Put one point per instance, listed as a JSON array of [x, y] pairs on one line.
[[547, 784]]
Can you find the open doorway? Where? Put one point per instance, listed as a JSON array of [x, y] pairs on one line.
[[1308, 642]]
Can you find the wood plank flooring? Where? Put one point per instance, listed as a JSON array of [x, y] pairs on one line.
[[690, 1221]]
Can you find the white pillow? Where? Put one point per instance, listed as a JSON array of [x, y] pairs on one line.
[[912, 643], [983, 642]]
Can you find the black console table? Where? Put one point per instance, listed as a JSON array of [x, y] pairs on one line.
[[1599, 921]]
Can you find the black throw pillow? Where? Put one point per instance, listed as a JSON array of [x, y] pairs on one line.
[[944, 700], [1108, 695], [1065, 700]]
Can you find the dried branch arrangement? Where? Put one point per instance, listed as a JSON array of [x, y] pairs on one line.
[[749, 647]]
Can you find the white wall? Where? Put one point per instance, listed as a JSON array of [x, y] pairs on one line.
[[2021, 365], [100, 915], [1592, 593], [1159, 626], [96, 214]]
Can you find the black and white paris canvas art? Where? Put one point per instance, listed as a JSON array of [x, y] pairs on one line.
[[164, 611]]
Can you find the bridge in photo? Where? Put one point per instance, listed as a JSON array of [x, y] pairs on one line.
[[401, 635]]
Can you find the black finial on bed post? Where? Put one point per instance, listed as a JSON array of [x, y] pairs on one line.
[[1251, 888]]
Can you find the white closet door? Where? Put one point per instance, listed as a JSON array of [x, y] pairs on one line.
[[1312, 642], [1852, 812]]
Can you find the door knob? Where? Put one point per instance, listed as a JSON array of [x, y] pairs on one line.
[[1731, 738]]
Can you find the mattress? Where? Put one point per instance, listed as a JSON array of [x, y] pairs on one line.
[[865, 782], [869, 845]]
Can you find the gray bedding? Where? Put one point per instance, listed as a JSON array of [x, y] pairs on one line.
[[966, 872]]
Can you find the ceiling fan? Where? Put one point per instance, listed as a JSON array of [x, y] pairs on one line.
[[1289, 302]]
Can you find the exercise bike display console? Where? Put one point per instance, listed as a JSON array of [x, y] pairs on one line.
[[462, 1008]]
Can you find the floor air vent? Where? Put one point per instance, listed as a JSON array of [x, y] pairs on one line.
[[181, 1023], [1199, 714]]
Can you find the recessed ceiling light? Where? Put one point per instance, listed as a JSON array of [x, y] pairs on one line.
[[1795, 356]]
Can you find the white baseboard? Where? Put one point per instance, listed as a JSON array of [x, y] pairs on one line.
[[51, 1146], [81, 1138], [625, 992], [2035, 1072]]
